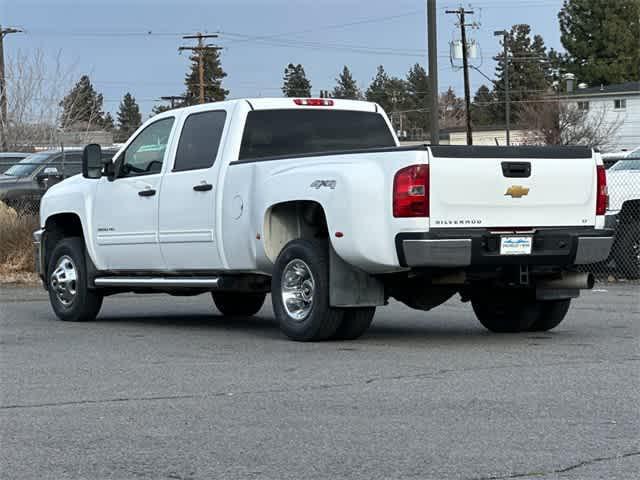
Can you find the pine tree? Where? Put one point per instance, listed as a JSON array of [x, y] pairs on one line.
[[82, 106], [418, 92], [346, 86], [529, 70], [451, 111], [108, 123], [601, 39], [160, 109], [296, 83], [129, 118], [378, 90], [213, 75], [483, 108], [392, 95]]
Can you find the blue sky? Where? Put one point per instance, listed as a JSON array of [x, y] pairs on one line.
[[110, 39]]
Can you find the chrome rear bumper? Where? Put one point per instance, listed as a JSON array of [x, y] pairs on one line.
[[562, 247]]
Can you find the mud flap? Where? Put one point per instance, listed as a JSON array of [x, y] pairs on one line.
[[351, 287]]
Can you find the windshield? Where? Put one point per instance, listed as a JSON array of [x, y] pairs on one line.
[[635, 154], [629, 164], [25, 167]]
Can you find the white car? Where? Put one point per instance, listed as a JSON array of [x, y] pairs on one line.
[[313, 201], [623, 214]]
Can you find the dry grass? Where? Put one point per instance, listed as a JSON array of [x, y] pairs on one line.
[[16, 245]]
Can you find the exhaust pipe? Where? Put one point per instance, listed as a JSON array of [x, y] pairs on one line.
[[569, 280]]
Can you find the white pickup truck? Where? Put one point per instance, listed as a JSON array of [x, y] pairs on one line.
[[313, 201]]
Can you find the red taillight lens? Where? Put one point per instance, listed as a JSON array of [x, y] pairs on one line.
[[411, 192], [602, 198], [314, 102]]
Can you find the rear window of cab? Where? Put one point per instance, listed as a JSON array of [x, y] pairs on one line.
[[290, 132]]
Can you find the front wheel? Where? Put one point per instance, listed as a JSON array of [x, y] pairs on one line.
[[241, 304], [300, 291], [506, 315], [70, 297]]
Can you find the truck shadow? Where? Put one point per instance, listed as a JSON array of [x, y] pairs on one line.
[[459, 332]]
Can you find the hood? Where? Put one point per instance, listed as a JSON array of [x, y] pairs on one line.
[[60, 187]]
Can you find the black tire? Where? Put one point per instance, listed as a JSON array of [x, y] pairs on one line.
[[238, 304], [506, 315], [320, 321], [84, 305], [627, 250], [355, 322], [551, 315]]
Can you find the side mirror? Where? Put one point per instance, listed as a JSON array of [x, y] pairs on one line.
[[48, 176], [50, 172], [92, 161]]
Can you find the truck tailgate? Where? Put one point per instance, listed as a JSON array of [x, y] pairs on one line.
[[512, 187]]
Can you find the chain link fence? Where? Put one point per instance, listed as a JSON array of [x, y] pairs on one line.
[[623, 181]]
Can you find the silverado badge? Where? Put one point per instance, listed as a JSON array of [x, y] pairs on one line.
[[517, 191]]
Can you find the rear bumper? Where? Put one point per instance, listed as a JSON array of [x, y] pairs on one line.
[[481, 247]]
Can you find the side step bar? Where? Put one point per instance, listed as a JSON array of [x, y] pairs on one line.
[[158, 282]]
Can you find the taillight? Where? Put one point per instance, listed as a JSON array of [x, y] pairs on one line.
[[411, 192], [314, 102], [602, 194]]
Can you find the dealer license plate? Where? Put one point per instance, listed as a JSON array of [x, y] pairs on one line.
[[515, 245]]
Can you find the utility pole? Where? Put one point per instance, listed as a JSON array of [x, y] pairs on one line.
[[461, 12], [3, 89], [507, 106], [172, 99], [433, 72], [200, 50]]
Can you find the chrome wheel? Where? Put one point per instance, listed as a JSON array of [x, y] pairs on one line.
[[298, 288], [63, 281]]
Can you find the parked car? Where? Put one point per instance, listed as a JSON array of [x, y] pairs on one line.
[[314, 201], [611, 158], [8, 159], [23, 184], [624, 213]]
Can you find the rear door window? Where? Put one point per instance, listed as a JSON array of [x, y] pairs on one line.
[[276, 133], [199, 140]]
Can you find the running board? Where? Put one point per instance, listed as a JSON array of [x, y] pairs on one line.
[[158, 282]]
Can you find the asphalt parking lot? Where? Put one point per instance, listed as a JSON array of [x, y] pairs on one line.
[[163, 387]]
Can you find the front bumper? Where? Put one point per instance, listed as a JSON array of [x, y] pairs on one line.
[[38, 250], [481, 247]]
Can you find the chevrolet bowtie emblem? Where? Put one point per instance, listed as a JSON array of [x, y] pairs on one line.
[[517, 191]]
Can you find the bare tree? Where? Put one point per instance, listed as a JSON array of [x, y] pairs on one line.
[[35, 86], [557, 122]]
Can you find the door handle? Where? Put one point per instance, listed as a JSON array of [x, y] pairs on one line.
[[516, 169], [203, 187], [147, 193]]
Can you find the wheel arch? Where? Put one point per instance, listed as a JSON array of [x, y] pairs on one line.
[[291, 220], [57, 227], [630, 211]]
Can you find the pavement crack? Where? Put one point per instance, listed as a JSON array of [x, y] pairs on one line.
[[431, 375], [575, 466]]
